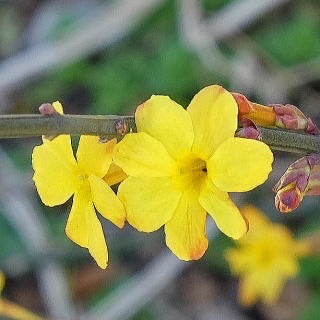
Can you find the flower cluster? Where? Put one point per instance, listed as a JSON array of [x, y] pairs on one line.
[[179, 165]]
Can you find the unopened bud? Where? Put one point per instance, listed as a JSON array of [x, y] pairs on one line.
[[285, 116], [301, 178], [250, 132], [259, 114], [288, 199], [290, 117], [47, 109]]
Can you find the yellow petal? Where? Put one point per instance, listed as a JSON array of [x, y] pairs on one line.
[[13, 311], [223, 211], [240, 164], [149, 202], [106, 202], [166, 121], [114, 175], [58, 107], [96, 241], [265, 285], [84, 228], [93, 156], [77, 225], [273, 288], [214, 114], [287, 263], [141, 155], [248, 292], [55, 170], [237, 260], [258, 221], [186, 231]]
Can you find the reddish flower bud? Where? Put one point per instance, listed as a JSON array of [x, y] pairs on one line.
[[259, 114], [301, 178], [47, 109], [274, 115], [288, 199], [312, 128], [250, 132], [290, 117]]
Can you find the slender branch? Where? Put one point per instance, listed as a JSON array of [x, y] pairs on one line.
[[26, 125], [290, 141]]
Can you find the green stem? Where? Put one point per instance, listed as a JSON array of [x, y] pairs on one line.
[[290, 141], [25, 125]]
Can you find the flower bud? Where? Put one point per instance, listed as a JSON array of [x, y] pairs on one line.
[[290, 117], [47, 109], [248, 132], [301, 178], [260, 115], [274, 115], [289, 198]]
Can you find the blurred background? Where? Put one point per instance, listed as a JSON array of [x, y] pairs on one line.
[[106, 57]]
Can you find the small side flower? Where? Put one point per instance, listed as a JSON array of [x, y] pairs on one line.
[[264, 259], [58, 176]]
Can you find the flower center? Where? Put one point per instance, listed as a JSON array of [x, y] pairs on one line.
[[191, 173], [265, 254], [81, 175]]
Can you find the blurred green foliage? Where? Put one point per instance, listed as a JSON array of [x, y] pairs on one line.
[[118, 83], [214, 259], [312, 310], [152, 61], [10, 244], [210, 5], [292, 40]]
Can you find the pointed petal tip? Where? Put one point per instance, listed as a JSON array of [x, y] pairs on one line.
[[194, 253], [121, 224], [102, 264], [106, 202], [238, 231], [200, 251], [57, 107]]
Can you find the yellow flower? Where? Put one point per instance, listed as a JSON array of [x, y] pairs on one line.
[[264, 258], [58, 176], [182, 163], [11, 310]]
